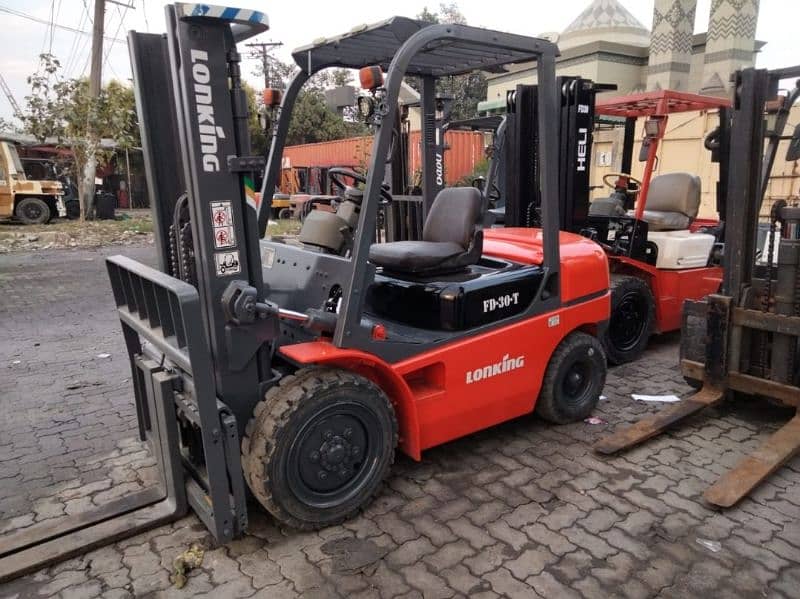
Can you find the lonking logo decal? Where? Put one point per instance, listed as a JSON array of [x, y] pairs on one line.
[[507, 364], [439, 169], [209, 132]]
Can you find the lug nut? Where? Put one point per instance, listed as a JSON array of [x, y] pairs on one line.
[[314, 457], [348, 432], [328, 434], [356, 449], [322, 475]]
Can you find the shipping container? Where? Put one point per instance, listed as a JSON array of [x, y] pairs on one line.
[[465, 149]]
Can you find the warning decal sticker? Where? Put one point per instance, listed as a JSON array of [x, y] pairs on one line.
[[222, 221], [227, 263]]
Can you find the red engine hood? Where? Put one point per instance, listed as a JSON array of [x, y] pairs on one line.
[[584, 265]]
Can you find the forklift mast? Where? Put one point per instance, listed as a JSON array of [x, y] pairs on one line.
[[576, 123], [196, 150]]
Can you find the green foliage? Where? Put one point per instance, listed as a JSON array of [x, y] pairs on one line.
[[467, 90], [312, 120], [480, 169], [7, 126], [258, 139], [64, 110]]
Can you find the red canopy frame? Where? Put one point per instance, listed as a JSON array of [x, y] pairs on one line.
[[659, 103]]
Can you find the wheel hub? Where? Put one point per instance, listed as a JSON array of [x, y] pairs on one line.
[[331, 453], [628, 321]]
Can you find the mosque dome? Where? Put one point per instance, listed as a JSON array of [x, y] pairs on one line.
[[606, 20]]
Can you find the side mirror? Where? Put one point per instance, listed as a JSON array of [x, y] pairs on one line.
[[793, 152], [644, 150]]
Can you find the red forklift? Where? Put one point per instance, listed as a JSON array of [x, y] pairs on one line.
[[298, 370], [659, 255]]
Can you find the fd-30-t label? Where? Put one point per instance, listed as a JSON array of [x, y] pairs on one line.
[[502, 301], [222, 221]]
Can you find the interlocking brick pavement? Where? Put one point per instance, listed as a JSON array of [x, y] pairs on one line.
[[525, 509]]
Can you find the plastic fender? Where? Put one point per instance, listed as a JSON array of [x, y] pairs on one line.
[[376, 370]]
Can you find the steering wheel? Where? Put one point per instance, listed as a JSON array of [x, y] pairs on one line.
[[337, 173], [628, 176]]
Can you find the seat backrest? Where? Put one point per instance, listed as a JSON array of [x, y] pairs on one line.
[[454, 215], [675, 192]]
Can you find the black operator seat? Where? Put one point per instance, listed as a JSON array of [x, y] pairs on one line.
[[452, 237]]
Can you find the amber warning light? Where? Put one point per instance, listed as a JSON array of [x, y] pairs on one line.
[[271, 97], [370, 77]]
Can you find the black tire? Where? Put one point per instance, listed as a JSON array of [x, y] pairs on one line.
[[574, 379], [284, 214], [319, 446], [632, 319], [33, 211]]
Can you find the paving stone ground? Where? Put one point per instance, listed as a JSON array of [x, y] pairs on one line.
[[525, 509]]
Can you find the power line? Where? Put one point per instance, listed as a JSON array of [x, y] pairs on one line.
[[144, 12], [53, 28], [23, 15], [261, 50], [121, 21], [75, 41]]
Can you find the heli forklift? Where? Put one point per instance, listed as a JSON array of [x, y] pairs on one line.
[[659, 255], [745, 339], [297, 370]]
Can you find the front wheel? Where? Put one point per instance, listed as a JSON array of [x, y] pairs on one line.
[[632, 319], [574, 379], [319, 446], [33, 211]]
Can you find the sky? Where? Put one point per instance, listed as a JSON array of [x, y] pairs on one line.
[[298, 22]]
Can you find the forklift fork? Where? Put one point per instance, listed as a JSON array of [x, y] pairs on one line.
[[173, 389], [627, 437], [40, 545]]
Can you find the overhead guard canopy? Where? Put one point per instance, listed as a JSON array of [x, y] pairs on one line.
[[657, 103], [378, 43]]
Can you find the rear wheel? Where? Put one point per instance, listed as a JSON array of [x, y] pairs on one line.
[[575, 377], [632, 318], [33, 211], [319, 447]]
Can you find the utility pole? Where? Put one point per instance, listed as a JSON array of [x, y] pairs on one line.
[[262, 52], [95, 83]]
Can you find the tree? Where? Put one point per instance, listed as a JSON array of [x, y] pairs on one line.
[[258, 137], [312, 120], [467, 90], [63, 109]]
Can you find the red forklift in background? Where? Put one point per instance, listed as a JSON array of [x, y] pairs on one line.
[[658, 254]]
